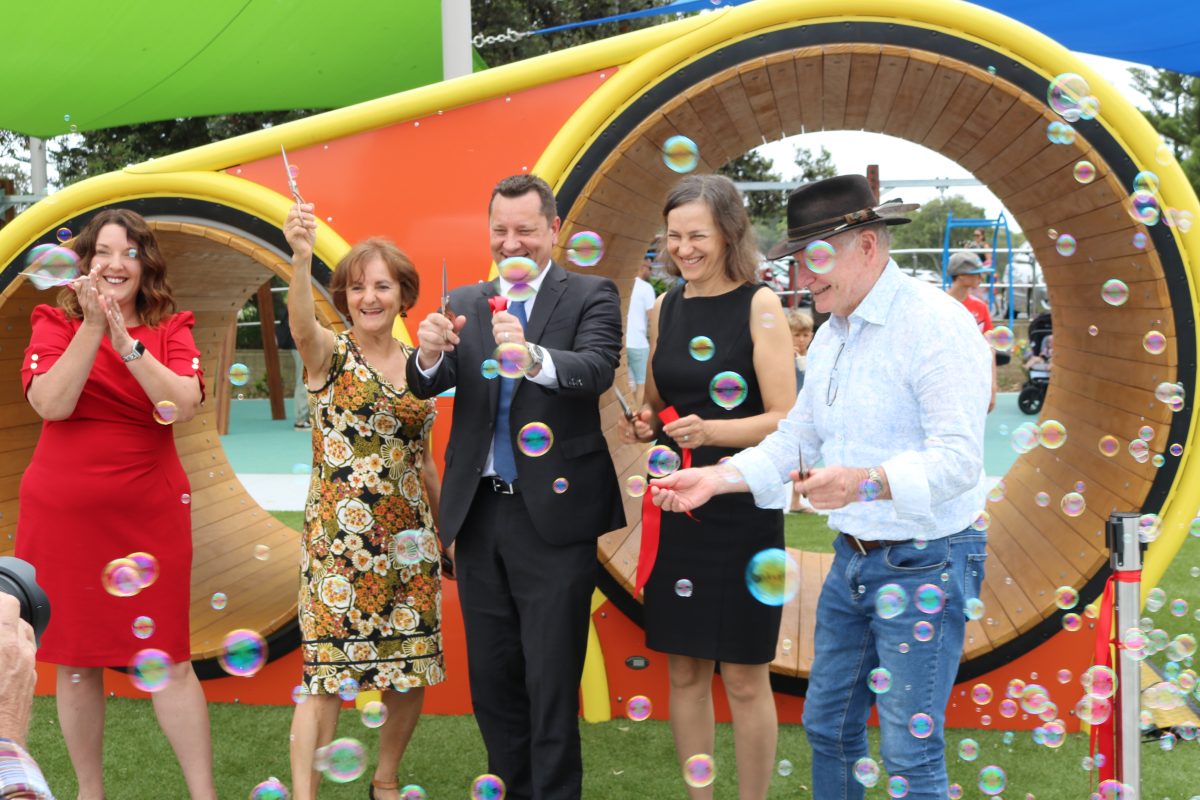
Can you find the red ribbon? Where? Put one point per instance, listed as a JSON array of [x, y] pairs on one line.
[[652, 517], [1103, 741], [498, 303]]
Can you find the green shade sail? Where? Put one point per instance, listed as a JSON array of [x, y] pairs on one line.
[[96, 65]]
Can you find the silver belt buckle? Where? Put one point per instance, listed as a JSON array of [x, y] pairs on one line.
[[500, 487]]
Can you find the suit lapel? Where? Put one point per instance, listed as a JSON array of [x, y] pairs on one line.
[[549, 292], [487, 343]]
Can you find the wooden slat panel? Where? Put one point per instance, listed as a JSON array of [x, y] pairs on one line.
[[707, 106], [756, 84], [684, 117], [787, 658], [782, 74], [917, 74], [810, 82], [962, 104], [1019, 116], [987, 115], [863, 70], [813, 578], [893, 61], [835, 82], [942, 86], [737, 106]]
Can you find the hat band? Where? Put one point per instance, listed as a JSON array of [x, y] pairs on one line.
[[833, 223]]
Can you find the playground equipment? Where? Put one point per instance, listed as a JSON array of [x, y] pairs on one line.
[[996, 225], [419, 167]]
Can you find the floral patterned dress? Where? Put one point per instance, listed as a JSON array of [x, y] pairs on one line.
[[370, 589]]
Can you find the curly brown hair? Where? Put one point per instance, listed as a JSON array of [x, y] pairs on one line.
[[154, 298], [351, 267]]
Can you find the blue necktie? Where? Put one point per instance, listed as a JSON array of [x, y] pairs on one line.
[[503, 459]]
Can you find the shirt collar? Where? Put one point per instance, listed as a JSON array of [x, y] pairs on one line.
[[875, 306], [535, 284]]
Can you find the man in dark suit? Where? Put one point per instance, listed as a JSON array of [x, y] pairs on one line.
[[521, 526]]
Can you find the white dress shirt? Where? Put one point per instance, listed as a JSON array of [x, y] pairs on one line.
[[903, 383], [547, 375]]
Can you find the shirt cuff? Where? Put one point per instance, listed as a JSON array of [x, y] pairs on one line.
[[428, 374], [547, 375], [909, 485], [760, 475], [20, 776]]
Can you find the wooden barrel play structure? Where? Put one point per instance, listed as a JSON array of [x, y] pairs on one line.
[[952, 77]]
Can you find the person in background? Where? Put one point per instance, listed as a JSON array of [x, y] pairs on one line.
[[720, 325], [801, 324], [109, 371], [893, 408], [370, 591], [637, 345], [20, 777], [283, 337], [966, 275]]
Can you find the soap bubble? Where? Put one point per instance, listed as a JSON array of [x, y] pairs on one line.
[[773, 577], [699, 771], [243, 653], [1114, 292], [1084, 171], [680, 154], [585, 249], [342, 760], [820, 257], [638, 708]]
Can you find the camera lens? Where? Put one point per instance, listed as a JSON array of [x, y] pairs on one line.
[[19, 579]]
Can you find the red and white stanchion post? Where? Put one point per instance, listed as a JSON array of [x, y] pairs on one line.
[[1118, 738]]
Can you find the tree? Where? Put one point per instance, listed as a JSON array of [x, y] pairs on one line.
[[1175, 113], [814, 167], [768, 209], [928, 229], [765, 208]]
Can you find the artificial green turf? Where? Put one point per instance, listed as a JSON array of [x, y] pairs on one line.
[[622, 759], [808, 532]]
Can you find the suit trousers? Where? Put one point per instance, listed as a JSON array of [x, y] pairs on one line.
[[526, 605]]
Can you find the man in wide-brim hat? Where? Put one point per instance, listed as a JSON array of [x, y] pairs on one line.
[[892, 416]]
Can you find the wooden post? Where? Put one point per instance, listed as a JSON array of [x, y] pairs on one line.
[[873, 179], [266, 318]]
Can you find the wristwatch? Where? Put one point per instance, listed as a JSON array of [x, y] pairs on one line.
[[872, 487], [536, 357], [135, 353]]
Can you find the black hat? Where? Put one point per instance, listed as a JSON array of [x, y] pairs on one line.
[[827, 207]]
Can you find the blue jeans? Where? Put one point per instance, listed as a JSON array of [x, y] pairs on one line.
[[851, 639]]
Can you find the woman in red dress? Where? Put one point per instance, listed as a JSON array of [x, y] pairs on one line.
[[107, 371]]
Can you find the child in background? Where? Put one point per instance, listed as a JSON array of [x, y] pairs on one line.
[[801, 323]]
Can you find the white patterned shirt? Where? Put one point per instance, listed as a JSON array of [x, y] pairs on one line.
[[903, 383]]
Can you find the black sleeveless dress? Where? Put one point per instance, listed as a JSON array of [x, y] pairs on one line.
[[696, 600]]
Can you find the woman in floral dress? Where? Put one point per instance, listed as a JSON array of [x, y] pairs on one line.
[[370, 590]]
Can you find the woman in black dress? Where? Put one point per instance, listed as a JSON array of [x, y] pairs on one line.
[[721, 356]]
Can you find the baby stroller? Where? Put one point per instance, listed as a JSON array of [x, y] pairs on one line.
[[1037, 365]]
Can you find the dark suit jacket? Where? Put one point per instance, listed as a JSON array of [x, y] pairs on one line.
[[577, 318]]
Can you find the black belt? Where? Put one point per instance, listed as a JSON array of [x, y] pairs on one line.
[[500, 487], [864, 546]]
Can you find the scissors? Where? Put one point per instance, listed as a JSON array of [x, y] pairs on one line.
[[625, 409], [291, 178], [445, 292]]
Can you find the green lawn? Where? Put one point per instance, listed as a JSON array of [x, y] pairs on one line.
[[622, 759]]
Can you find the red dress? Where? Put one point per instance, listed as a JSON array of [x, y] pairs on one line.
[[104, 483]]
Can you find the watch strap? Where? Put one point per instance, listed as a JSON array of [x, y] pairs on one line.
[[134, 354]]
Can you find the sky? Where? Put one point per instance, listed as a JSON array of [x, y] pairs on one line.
[[852, 151]]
